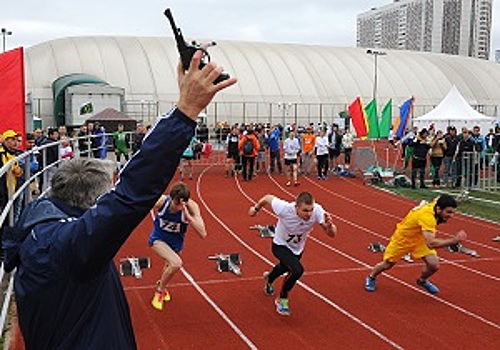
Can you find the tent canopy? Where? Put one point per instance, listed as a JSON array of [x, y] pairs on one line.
[[454, 110], [453, 107]]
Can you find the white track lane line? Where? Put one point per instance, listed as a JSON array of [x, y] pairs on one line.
[[217, 309], [259, 277], [464, 217], [221, 313], [303, 285], [398, 218], [443, 301], [495, 278]]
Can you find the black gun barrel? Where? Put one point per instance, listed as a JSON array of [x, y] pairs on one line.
[[187, 51], [176, 30], [168, 14]]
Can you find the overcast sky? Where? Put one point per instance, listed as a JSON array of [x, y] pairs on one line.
[[324, 22]]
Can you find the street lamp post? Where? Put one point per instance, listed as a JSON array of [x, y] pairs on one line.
[[375, 53], [5, 32]]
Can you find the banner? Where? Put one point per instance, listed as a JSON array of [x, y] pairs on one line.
[[386, 120], [404, 116], [372, 117], [357, 113], [12, 104]]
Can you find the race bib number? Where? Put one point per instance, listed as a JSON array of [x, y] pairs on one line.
[[169, 226], [294, 239]]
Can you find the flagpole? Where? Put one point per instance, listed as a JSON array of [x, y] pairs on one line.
[[375, 54]]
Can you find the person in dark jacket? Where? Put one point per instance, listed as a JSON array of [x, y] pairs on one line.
[[67, 288], [419, 158], [464, 168], [451, 140], [51, 157]]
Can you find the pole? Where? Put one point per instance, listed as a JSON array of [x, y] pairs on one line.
[[5, 32], [375, 80]]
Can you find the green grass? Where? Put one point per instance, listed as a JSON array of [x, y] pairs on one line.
[[481, 204]]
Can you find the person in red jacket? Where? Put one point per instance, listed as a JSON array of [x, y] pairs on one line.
[[249, 148]]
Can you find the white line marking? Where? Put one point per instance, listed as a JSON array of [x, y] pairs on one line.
[[463, 216], [218, 310], [307, 273], [309, 289], [221, 313], [398, 218], [456, 307]]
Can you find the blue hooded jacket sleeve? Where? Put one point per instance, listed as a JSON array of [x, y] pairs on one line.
[[68, 292]]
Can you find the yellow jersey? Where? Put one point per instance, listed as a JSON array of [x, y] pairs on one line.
[[419, 219]]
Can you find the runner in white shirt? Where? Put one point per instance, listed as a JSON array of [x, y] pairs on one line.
[[295, 223], [321, 148], [291, 148]]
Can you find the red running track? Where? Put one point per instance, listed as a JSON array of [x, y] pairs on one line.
[[330, 308]]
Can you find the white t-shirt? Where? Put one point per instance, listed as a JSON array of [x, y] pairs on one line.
[[291, 230], [291, 147], [321, 145]]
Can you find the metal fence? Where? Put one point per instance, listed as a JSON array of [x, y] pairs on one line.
[[476, 171], [29, 188], [479, 171], [277, 111]]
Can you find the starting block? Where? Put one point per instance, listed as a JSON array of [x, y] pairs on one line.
[[133, 266], [377, 247], [264, 231], [228, 262], [458, 248]]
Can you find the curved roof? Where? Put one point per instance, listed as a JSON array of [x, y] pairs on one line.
[[61, 83], [146, 67]]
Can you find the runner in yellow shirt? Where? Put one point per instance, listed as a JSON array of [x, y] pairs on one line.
[[416, 234]]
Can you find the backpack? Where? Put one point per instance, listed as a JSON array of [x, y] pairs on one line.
[[248, 147]]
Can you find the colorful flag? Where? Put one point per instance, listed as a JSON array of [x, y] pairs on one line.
[[357, 113], [12, 104], [385, 122], [404, 116], [86, 108], [372, 120]]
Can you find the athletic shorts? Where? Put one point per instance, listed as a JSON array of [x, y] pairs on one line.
[[396, 250], [290, 161], [333, 153], [174, 241]]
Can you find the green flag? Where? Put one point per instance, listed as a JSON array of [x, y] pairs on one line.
[[86, 108], [386, 121], [371, 114]]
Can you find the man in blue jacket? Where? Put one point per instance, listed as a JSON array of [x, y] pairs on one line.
[[274, 150], [68, 292]]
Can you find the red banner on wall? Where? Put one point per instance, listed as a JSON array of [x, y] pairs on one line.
[[12, 107]]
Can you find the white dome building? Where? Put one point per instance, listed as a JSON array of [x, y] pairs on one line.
[[276, 82]]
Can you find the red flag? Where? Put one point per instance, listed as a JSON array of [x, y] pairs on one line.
[[12, 107], [358, 118]]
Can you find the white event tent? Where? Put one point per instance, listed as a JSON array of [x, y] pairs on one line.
[[454, 110]]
